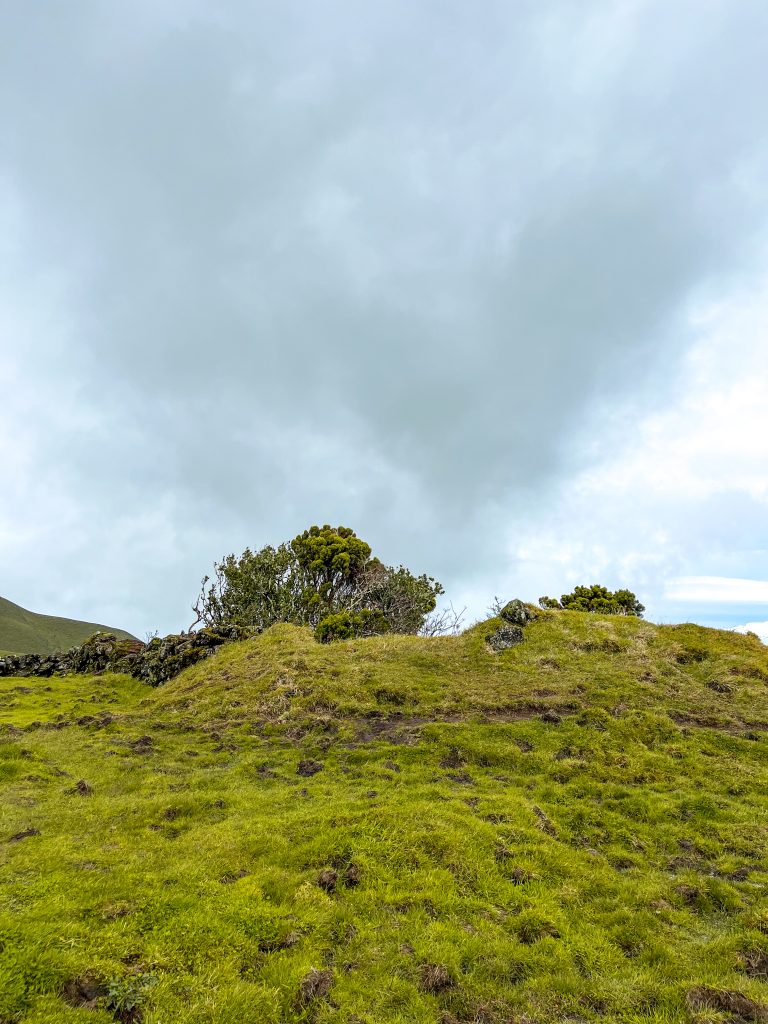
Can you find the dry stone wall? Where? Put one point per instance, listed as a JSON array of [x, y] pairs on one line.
[[153, 662]]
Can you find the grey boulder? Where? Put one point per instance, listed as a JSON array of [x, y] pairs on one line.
[[505, 637], [516, 613]]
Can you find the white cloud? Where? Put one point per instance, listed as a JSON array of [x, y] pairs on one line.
[[761, 628], [670, 501], [429, 275], [718, 589]]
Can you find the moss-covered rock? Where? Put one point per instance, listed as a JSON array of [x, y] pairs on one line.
[[154, 663], [517, 613], [163, 658], [505, 637]]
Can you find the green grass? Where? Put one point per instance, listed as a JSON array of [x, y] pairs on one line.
[[23, 632], [573, 830]]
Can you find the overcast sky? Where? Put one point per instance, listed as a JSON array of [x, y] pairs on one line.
[[485, 281]]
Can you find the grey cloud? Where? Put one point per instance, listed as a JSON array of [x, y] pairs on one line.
[[370, 263]]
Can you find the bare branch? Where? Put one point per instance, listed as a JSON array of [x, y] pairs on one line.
[[445, 622]]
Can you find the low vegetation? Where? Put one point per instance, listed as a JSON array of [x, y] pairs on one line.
[[597, 599], [394, 829]]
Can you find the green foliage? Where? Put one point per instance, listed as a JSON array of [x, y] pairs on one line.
[[126, 994], [597, 599], [403, 599], [456, 854], [257, 589], [324, 571], [331, 563], [346, 625]]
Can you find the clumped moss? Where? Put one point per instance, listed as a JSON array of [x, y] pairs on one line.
[[347, 625]]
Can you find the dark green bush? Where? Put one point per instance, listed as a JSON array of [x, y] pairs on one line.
[[597, 599], [347, 625], [321, 573]]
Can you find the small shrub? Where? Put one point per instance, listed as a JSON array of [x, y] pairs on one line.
[[597, 599], [125, 996], [348, 625]]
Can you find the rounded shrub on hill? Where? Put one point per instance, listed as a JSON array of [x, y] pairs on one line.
[[597, 599], [326, 578], [347, 625]]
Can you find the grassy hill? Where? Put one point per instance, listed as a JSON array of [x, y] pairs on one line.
[[394, 830], [23, 632]]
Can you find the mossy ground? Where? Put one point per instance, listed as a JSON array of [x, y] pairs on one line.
[[575, 829]]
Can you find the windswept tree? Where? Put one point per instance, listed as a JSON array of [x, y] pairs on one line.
[[326, 578]]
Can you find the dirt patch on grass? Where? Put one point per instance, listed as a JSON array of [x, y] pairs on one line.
[[328, 879], [750, 672], [740, 874], [718, 687], [314, 985], [533, 930], [114, 911], [452, 759], [755, 963], [405, 730], [233, 876], [740, 1007], [395, 729], [544, 822], [389, 695], [735, 727], [84, 993], [26, 833], [520, 876], [351, 876], [284, 942], [143, 745], [689, 894], [435, 978]]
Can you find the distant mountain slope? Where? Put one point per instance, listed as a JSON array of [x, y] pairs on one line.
[[24, 632]]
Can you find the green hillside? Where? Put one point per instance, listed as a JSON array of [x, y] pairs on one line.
[[394, 829], [23, 632]]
